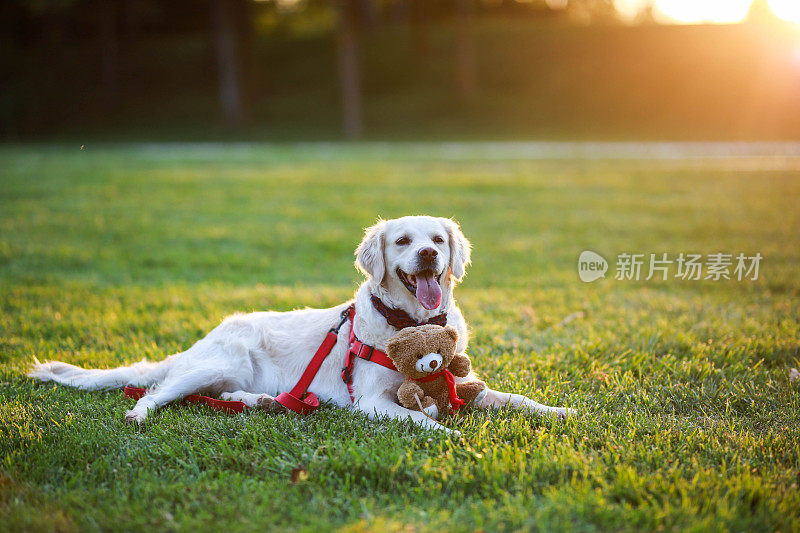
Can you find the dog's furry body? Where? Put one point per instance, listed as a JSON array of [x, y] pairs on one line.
[[254, 357]]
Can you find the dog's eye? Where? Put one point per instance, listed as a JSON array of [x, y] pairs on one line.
[[402, 241], [438, 240]]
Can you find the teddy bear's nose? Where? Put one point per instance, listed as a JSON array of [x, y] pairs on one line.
[[434, 363]]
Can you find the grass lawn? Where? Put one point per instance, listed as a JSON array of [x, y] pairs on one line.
[[688, 419]]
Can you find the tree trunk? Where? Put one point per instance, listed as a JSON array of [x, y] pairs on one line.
[[246, 48], [367, 14], [347, 55], [130, 16], [420, 27], [226, 40], [466, 79], [108, 39]]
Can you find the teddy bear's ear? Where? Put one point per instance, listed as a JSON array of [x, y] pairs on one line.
[[393, 344], [452, 332]]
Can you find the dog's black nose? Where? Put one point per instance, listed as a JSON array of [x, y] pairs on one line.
[[428, 253], [434, 364]]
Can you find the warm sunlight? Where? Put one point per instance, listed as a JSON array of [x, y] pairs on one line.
[[788, 10], [704, 11], [698, 11]]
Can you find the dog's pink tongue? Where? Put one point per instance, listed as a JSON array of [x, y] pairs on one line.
[[429, 293]]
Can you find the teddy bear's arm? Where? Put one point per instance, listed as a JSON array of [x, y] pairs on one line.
[[460, 365], [406, 394]]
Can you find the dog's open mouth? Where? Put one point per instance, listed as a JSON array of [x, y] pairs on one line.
[[424, 285]]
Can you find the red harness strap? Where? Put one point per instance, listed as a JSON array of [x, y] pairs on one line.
[[364, 351], [297, 399], [227, 406], [455, 401]]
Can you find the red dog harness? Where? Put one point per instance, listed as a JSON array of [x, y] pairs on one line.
[[363, 351], [297, 399], [294, 399]]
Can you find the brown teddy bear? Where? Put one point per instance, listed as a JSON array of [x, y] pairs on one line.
[[426, 356]]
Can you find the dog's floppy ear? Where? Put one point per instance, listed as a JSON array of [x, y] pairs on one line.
[[459, 249], [369, 254]]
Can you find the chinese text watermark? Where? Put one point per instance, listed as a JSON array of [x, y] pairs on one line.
[[663, 266]]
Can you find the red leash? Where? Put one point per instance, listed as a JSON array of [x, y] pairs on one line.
[[226, 406]]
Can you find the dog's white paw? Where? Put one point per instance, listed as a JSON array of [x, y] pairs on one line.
[[481, 395], [432, 411], [134, 417], [563, 412], [265, 400]]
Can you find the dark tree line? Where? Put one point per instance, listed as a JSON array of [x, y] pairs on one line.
[[230, 27]]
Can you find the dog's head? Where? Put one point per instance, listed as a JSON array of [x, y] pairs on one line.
[[417, 254]]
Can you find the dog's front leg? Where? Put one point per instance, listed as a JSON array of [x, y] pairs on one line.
[[250, 399], [493, 399], [381, 407]]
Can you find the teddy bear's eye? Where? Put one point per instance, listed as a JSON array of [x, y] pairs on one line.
[[419, 356]]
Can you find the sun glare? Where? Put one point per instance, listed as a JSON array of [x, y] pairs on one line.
[[704, 11], [699, 11], [630, 10], [788, 10]]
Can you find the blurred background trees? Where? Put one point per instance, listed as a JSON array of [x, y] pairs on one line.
[[427, 69]]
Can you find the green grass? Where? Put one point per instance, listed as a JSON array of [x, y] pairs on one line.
[[688, 420]]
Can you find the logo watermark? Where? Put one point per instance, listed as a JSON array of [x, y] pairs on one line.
[[591, 266], [684, 266]]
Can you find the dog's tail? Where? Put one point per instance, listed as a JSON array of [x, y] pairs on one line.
[[142, 374]]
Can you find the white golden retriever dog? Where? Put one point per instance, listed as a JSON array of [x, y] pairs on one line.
[[411, 264]]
